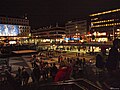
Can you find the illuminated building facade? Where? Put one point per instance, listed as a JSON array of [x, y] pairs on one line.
[[49, 34], [105, 26], [13, 29], [76, 29]]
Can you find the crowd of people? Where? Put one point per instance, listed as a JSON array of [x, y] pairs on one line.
[[68, 67], [62, 71]]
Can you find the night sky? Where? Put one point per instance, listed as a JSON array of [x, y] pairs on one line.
[[49, 12]]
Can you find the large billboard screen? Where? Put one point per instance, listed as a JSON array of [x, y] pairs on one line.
[[9, 30]]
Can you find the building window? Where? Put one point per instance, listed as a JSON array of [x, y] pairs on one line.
[[76, 26]]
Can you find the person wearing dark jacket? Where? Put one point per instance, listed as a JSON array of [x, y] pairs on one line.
[[99, 61], [54, 71], [36, 73], [112, 63], [25, 76]]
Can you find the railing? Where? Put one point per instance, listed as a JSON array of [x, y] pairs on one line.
[[60, 86]]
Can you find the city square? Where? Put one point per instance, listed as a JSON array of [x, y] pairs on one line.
[[59, 45]]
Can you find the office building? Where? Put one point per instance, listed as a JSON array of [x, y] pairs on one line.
[[76, 30], [49, 34], [105, 26]]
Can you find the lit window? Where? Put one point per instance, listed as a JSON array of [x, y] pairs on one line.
[[76, 26], [76, 29], [105, 12]]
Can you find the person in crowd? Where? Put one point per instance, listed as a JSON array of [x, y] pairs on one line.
[[18, 76], [32, 76], [36, 74], [58, 59], [83, 62], [19, 70], [76, 67], [46, 68], [80, 62], [11, 80], [54, 71], [33, 61], [25, 76], [112, 63], [100, 61], [69, 70], [50, 69], [63, 72], [71, 64], [68, 59], [43, 72]]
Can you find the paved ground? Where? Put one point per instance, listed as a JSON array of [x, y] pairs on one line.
[[16, 62]]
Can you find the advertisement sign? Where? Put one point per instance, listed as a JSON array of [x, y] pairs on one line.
[[9, 30]]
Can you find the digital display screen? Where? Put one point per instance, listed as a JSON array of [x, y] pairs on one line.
[[9, 30]]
